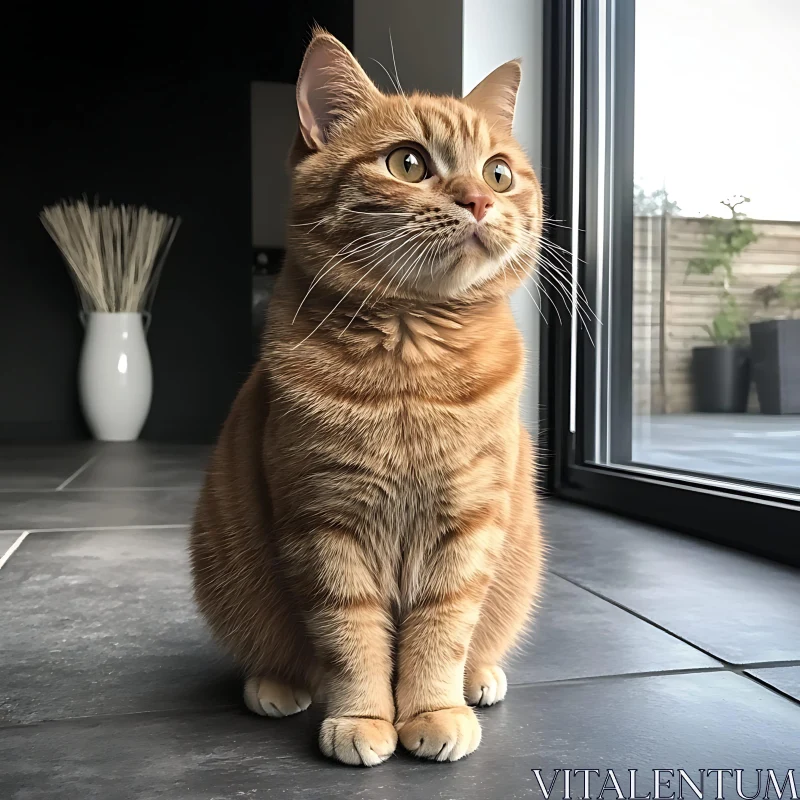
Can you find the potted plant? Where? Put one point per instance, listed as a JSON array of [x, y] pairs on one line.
[[721, 371], [114, 255], [775, 346]]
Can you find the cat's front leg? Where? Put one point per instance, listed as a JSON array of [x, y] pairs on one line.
[[349, 625], [433, 720]]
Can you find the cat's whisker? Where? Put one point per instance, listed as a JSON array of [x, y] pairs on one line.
[[394, 63], [390, 238], [407, 241], [380, 213], [330, 313], [358, 311], [343, 297], [304, 224], [369, 250], [565, 279], [543, 291], [566, 254], [395, 80], [535, 264], [348, 250], [436, 255], [563, 289], [522, 275], [421, 260], [558, 279], [389, 75], [562, 264], [538, 276], [554, 223], [525, 287], [561, 255], [583, 317], [397, 267], [393, 272]]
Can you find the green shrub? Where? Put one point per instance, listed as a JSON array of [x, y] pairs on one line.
[[727, 239]]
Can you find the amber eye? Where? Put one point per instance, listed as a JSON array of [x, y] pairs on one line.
[[497, 174], [407, 164]]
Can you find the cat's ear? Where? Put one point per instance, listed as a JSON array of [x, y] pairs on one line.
[[496, 94], [331, 86]]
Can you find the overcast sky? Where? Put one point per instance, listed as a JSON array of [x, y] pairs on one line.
[[718, 103]]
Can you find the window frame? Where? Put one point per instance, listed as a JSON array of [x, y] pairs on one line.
[[756, 519]]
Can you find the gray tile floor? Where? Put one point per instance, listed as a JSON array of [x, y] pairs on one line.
[[650, 650]]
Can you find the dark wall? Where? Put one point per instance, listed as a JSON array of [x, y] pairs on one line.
[[180, 146], [155, 111]]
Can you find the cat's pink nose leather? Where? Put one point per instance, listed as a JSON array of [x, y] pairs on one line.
[[477, 202]]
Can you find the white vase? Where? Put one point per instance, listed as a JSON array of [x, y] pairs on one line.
[[115, 375]]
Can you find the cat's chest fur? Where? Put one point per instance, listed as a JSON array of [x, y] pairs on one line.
[[396, 433]]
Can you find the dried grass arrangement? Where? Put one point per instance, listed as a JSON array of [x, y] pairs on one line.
[[115, 253]]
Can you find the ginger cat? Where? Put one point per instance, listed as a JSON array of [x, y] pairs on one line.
[[368, 531]]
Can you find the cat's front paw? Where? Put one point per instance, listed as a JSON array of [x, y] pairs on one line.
[[270, 698], [485, 686], [444, 735], [359, 741]]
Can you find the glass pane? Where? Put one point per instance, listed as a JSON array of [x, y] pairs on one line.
[[715, 322]]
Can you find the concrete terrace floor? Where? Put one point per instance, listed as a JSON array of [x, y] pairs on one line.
[[749, 447], [650, 650]]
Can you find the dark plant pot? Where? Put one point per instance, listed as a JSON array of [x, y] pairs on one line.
[[775, 352], [721, 378]]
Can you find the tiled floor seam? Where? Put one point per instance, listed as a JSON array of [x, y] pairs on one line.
[[236, 707], [643, 618], [618, 675], [727, 666], [95, 529], [765, 685], [769, 664], [169, 712], [14, 547], [774, 689], [186, 487], [75, 474], [158, 713]]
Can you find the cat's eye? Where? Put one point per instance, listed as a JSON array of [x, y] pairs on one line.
[[497, 174], [407, 164]]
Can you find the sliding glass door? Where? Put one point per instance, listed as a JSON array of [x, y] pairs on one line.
[[672, 383]]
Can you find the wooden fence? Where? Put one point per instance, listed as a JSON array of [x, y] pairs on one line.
[[671, 308]]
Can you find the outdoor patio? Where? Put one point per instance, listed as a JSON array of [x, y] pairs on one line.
[[750, 447]]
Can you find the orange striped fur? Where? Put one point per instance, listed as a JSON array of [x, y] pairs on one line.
[[368, 533]]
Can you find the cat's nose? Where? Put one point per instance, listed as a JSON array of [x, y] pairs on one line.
[[477, 202]]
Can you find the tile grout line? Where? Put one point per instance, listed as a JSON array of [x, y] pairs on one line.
[[178, 711], [727, 666], [168, 526], [75, 474], [233, 706], [774, 689], [194, 487], [99, 489], [789, 662], [619, 676], [643, 618], [11, 550]]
